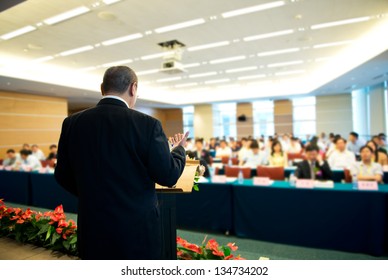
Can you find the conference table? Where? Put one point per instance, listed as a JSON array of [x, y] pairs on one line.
[[339, 218]]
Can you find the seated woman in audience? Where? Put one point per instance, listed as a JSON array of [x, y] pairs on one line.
[[277, 156], [254, 157], [367, 169], [378, 156]]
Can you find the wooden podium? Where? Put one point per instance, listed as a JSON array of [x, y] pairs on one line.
[[167, 205]]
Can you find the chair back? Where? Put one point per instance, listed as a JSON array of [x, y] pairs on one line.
[[232, 171], [292, 156], [274, 173], [348, 176], [225, 160]]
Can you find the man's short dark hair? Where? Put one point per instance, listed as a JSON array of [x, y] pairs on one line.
[[339, 138], [10, 151], [355, 134], [25, 152], [53, 146], [366, 147], [200, 140], [311, 148], [254, 144], [118, 79]]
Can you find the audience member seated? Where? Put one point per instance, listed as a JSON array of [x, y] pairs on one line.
[[36, 152], [366, 169], [189, 145], [213, 144], [244, 149], [277, 156], [11, 159], [254, 156], [341, 158], [26, 146], [331, 147], [354, 143], [295, 147], [285, 142], [202, 155], [28, 162], [378, 156], [313, 167], [53, 152], [223, 150]]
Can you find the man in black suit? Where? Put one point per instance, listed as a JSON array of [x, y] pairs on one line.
[[313, 167], [202, 155], [128, 152]]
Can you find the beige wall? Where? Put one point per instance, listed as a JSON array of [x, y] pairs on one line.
[[334, 114], [283, 116], [203, 121], [31, 119], [377, 110], [244, 129]]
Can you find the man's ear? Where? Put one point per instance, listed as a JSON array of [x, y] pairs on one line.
[[132, 89], [102, 89]]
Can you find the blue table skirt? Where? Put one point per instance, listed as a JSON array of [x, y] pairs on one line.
[[15, 187], [340, 218]]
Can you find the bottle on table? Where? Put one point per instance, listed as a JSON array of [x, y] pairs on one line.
[[240, 177], [354, 181]]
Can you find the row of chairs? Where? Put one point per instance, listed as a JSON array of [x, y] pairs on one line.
[[274, 173]]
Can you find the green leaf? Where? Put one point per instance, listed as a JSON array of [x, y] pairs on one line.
[[49, 232], [195, 187], [66, 244], [55, 237], [74, 239]]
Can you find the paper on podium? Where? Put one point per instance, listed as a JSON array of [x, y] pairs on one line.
[[186, 181]]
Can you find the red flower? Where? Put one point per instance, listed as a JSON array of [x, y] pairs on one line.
[[218, 253], [194, 248], [232, 246], [212, 244], [229, 257], [58, 230]]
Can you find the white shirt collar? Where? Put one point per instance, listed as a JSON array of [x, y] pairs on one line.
[[116, 97]]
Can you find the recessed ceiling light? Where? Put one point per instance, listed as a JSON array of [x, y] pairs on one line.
[[253, 9], [43, 59], [278, 52], [18, 32], [77, 50], [340, 22], [202, 75], [119, 62], [295, 62], [268, 35], [227, 59], [180, 25], [289, 73], [66, 15], [108, 2], [242, 69], [217, 81], [186, 85], [191, 65], [252, 77], [169, 79], [156, 55], [208, 46], [122, 39], [333, 44], [147, 72]]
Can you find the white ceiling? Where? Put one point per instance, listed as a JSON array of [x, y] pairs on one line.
[[359, 59]]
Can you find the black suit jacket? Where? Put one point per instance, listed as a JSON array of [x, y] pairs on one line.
[[303, 171], [110, 157]]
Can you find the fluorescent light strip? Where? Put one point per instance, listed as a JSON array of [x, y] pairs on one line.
[[191, 65], [228, 59], [186, 85], [278, 52], [202, 75], [156, 55], [333, 44], [285, 63], [119, 62], [217, 81], [180, 25], [122, 39], [77, 50], [147, 72], [253, 9], [289, 73], [251, 77], [169, 79], [243, 69], [18, 32], [208, 46], [268, 35], [43, 59], [66, 15], [108, 2], [340, 22]]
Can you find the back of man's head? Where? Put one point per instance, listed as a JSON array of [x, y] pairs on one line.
[[117, 79]]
